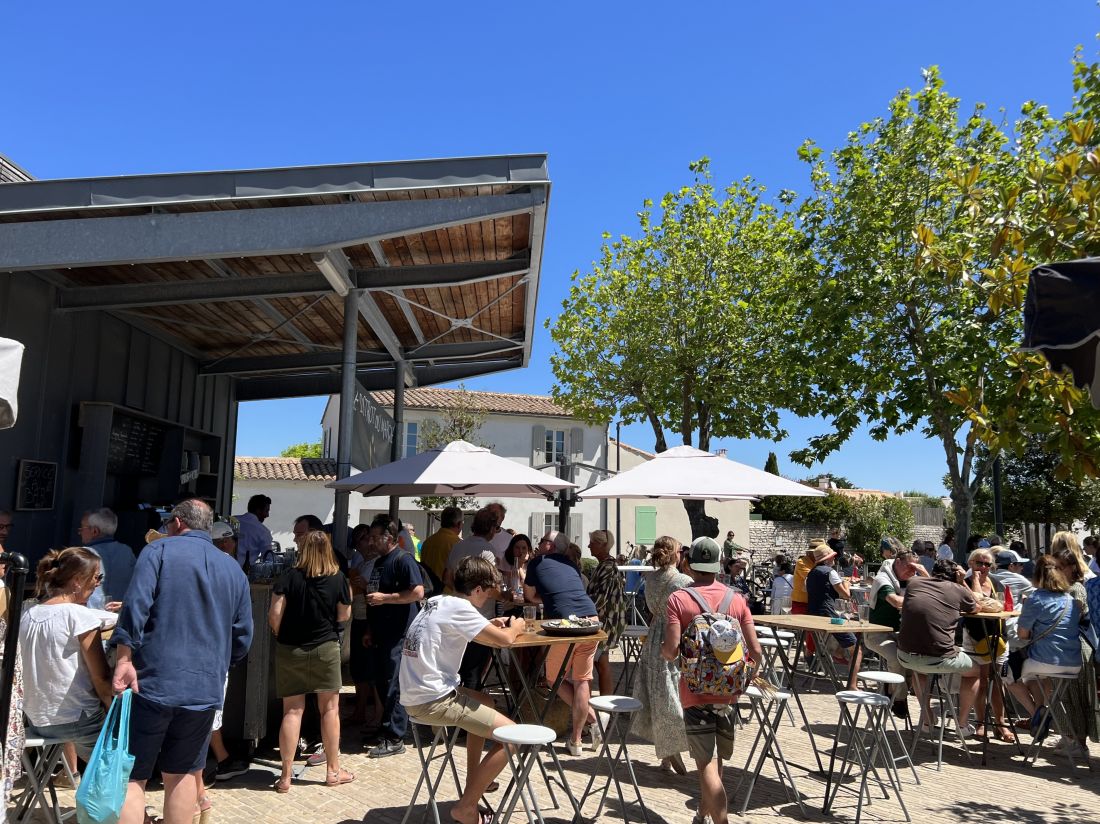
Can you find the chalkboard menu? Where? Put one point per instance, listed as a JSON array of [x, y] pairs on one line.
[[37, 482], [135, 446]]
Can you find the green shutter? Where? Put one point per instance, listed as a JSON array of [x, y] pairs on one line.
[[645, 524]]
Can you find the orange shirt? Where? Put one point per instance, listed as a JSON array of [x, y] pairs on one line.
[[801, 570]]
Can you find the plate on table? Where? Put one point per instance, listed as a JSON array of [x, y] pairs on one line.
[[565, 626]]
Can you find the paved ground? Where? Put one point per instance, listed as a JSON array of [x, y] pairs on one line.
[[1004, 791]]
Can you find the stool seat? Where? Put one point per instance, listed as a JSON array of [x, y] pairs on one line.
[[882, 677], [773, 633], [614, 703], [777, 695], [524, 735], [34, 742], [771, 643], [636, 631], [867, 699]]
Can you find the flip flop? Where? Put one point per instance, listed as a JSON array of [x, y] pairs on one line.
[[280, 787], [341, 776]]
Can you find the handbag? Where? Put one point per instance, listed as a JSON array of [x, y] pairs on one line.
[[102, 790]]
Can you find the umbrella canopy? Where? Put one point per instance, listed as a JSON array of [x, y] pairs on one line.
[[1062, 319], [457, 469], [11, 358], [687, 472]]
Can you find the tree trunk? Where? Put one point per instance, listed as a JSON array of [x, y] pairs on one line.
[[701, 522], [962, 500]]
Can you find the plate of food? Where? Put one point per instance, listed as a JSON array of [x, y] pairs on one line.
[[571, 626]]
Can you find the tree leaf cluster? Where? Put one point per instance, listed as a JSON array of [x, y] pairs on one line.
[[833, 510], [302, 450], [870, 519], [461, 421]]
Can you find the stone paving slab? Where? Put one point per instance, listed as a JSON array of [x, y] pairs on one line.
[[1004, 791]]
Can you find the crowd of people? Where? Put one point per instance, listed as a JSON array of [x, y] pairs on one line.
[[417, 631]]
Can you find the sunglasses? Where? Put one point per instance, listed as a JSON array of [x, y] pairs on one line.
[[98, 577], [983, 563]]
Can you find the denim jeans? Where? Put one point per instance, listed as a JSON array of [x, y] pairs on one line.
[[83, 733]]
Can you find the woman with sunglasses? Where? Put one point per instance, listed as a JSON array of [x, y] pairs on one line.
[[989, 594], [67, 685]]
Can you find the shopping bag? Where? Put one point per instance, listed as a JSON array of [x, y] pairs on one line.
[[102, 790]]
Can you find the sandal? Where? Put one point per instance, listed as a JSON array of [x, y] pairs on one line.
[[340, 776], [204, 810], [282, 786], [1004, 733]]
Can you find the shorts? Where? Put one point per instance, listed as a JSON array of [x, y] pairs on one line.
[[459, 709], [299, 670], [932, 665], [175, 737], [580, 664], [1033, 669], [710, 729], [83, 733]]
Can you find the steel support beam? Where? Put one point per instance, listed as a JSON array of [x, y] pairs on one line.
[[265, 306], [134, 295], [347, 411], [400, 370], [105, 241]]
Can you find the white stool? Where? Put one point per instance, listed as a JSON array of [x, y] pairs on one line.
[[620, 710], [630, 642], [772, 670], [40, 782], [523, 744], [946, 709], [1054, 709], [864, 744], [767, 708], [886, 680], [447, 757]]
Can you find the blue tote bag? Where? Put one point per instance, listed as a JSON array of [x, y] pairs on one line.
[[102, 790]]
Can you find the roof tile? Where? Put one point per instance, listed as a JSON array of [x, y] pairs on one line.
[[499, 402], [284, 469]]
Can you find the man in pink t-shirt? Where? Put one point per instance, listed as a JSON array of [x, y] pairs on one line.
[[708, 719]]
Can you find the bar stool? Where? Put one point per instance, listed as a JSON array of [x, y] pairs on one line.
[[39, 775], [620, 710], [630, 642], [863, 742], [767, 708], [1054, 710], [772, 670], [441, 737], [945, 709], [523, 744], [886, 680]]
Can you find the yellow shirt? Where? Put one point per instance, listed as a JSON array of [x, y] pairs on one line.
[[435, 550], [801, 570]]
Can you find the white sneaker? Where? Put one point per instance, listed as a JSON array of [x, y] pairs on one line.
[[966, 731], [595, 737], [574, 747]]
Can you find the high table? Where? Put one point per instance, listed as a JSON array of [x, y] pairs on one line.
[[992, 622], [820, 627]]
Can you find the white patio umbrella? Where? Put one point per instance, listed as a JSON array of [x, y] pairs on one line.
[[457, 469], [11, 359], [687, 472]]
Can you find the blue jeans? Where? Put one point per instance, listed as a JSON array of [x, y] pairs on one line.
[[83, 733], [387, 665]]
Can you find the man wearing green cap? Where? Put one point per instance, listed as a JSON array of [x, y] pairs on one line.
[[708, 719]]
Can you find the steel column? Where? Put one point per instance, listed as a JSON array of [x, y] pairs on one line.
[[347, 411], [399, 376]]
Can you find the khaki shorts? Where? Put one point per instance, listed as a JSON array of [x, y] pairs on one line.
[[457, 710], [710, 731], [580, 664]]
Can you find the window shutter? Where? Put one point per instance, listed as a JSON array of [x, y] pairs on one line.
[[575, 528], [538, 445], [536, 531], [645, 524], [576, 443]]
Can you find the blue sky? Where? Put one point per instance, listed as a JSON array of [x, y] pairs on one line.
[[621, 96]]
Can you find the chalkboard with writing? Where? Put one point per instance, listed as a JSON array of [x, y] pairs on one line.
[[135, 445], [37, 482]]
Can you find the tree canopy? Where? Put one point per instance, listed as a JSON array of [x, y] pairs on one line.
[[461, 421], [302, 450]]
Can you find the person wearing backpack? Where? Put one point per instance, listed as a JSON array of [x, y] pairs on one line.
[[711, 633]]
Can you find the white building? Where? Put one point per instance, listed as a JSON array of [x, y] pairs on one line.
[[529, 429]]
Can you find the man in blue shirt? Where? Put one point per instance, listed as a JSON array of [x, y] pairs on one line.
[[185, 619], [253, 538], [97, 532]]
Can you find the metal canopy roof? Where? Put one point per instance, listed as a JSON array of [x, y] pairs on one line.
[[246, 270]]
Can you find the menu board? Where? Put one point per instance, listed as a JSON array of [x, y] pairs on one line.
[[37, 481], [135, 446]]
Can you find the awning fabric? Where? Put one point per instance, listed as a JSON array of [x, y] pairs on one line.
[[11, 359]]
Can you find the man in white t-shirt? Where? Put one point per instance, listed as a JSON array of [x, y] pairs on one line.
[[430, 689]]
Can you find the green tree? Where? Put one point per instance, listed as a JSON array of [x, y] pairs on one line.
[[871, 519], [679, 327], [895, 316], [832, 510], [462, 421], [302, 450], [772, 464]]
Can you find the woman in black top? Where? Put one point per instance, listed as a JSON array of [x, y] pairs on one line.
[[309, 603]]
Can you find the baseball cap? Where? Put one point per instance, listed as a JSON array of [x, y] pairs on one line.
[[220, 530], [725, 642], [705, 555], [945, 553], [1008, 556], [983, 544], [603, 536]]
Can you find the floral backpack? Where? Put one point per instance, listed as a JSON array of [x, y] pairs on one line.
[[712, 651]]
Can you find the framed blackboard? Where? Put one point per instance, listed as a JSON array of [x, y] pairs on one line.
[[135, 446], [36, 486]]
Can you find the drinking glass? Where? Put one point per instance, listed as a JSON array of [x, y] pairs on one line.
[[864, 613], [529, 614], [784, 604]]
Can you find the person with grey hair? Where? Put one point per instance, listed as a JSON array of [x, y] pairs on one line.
[[186, 619], [502, 537], [97, 532]]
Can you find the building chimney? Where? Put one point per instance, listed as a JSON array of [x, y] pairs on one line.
[[823, 482], [721, 453]]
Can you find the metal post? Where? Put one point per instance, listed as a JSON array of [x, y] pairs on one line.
[[565, 496], [619, 468], [17, 579], [347, 415], [998, 514], [398, 425]]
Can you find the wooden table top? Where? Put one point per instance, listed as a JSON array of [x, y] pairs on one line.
[[817, 623], [541, 639], [999, 615]]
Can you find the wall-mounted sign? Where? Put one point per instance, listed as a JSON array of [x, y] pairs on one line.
[[36, 486], [372, 432]]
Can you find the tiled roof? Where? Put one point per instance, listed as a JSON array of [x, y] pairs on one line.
[[499, 402], [284, 469], [639, 452], [865, 493]]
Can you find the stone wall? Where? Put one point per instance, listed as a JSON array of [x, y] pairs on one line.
[[792, 537]]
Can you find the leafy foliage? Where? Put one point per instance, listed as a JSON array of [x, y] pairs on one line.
[[870, 519], [302, 450], [771, 465], [832, 510], [462, 421], [680, 326]]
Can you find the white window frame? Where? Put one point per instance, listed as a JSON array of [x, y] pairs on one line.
[[555, 445], [411, 428]]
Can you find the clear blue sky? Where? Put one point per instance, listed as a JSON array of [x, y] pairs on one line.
[[621, 96]]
